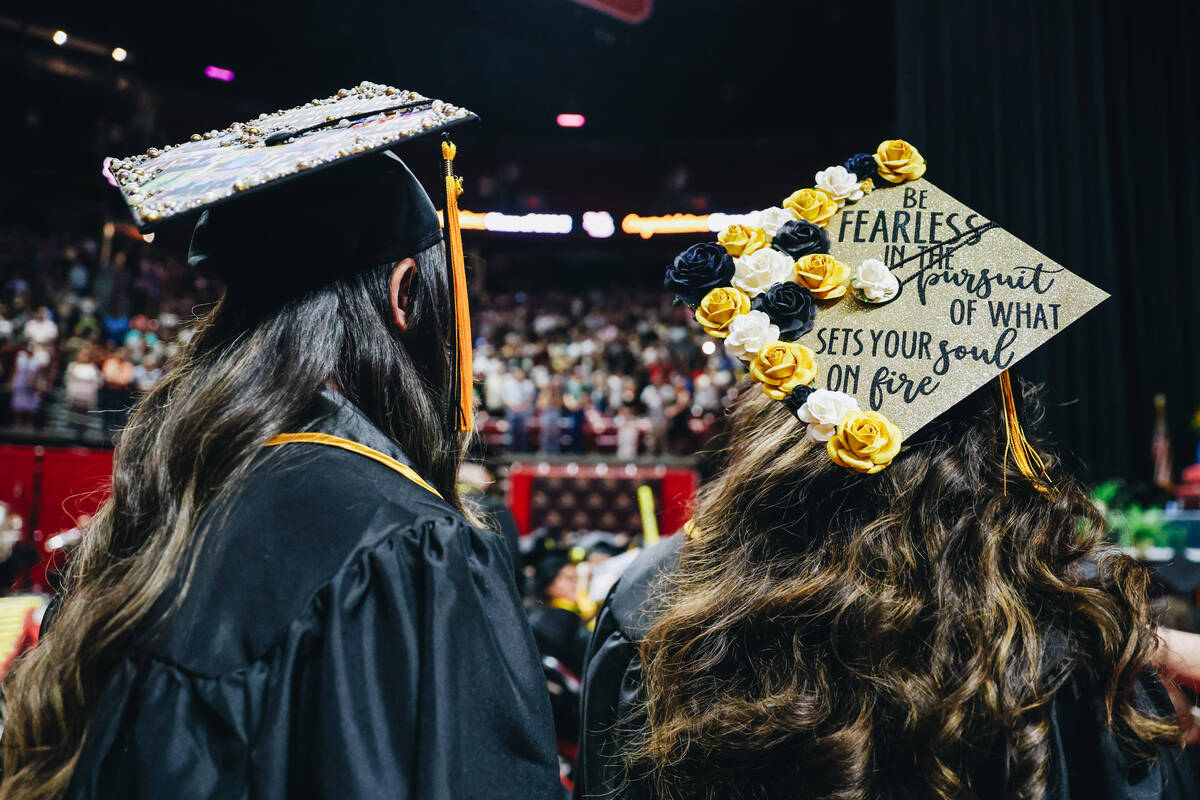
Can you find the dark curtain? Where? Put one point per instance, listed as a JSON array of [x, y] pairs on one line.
[[1074, 125]]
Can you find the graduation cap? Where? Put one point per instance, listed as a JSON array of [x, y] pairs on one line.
[[544, 553], [608, 544], [872, 302], [310, 194]]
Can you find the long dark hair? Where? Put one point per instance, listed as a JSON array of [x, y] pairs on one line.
[[252, 371], [831, 635]]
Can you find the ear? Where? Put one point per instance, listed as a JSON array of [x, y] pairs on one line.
[[398, 289]]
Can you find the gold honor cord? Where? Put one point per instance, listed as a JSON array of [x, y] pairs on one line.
[[1016, 443], [354, 447], [458, 280]]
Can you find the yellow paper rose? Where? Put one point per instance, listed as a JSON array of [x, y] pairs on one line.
[[782, 366], [865, 442], [742, 240], [813, 205], [867, 186], [899, 161], [719, 307], [823, 275]]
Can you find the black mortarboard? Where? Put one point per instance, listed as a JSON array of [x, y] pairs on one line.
[[543, 555], [541, 542], [310, 194], [547, 567], [370, 211], [608, 544]]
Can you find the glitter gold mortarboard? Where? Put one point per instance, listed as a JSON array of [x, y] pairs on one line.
[[302, 196], [872, 302]]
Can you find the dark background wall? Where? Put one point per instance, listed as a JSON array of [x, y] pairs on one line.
[[1075, 125], [1071, 123]]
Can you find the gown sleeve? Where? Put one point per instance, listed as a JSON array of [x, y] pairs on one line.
[[411, 674], [611, 690], [611, 714], [426, 683]]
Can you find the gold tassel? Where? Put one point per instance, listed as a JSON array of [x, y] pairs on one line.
[[458, 279], [1016, 443]]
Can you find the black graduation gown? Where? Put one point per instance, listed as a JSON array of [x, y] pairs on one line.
[[500, 518], [1088, 763], [347, 635], [560, 634]]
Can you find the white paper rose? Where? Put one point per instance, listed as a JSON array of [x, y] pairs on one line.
[[874, 281], [761, 270], [822, 412], [769, 219], [748, 333], [840, 184]]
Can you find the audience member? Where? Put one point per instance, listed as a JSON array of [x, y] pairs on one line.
[[28, 382], [83, 381], [41, 330]]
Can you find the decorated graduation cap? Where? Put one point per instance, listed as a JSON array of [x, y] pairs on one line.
[[311, 194], [872, 302]]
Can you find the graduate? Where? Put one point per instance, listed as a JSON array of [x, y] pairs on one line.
[[891, 590], [558, 623], [285, 596]]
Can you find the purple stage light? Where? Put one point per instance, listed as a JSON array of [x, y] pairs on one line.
[[218, 74]]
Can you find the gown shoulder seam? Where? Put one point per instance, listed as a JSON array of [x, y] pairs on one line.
[[313, 607]]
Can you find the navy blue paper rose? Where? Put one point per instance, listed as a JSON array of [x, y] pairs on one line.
[[797, 398], [862, 165], [799, 238], [698, 270], [790, 306]]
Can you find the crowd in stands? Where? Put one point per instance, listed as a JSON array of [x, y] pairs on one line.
[[88, 323], [621, 371]]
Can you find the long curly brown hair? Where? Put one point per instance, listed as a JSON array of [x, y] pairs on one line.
[[832, 635]]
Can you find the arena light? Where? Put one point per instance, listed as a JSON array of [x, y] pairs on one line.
[[684, 223], [570, 120], [673, 223], [59, 38], [718, 222], [119, 54], [127, 230], [218, 73], [599, 224], [527, 223], [496, 222], [106, 170]]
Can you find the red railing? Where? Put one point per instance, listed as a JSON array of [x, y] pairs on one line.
[[52, 488]]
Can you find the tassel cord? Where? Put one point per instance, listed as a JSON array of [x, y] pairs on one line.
[[1015, 443], [462, 356]]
